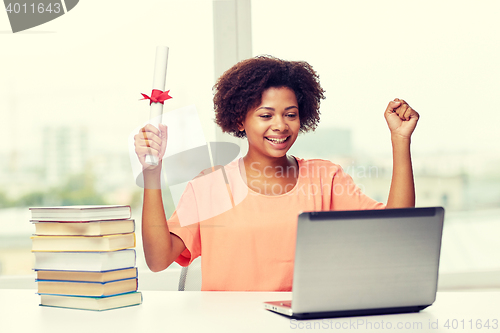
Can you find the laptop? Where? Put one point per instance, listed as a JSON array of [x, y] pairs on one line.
[[369, 262]]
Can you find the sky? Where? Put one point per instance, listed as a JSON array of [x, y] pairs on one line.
[[88, 67]]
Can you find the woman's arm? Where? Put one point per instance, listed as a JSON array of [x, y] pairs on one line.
[[402, 120], [161, 247]]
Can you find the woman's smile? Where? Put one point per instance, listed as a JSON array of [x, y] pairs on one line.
[[278, 143]]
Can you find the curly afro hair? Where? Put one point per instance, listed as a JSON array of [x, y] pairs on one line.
[[240, 88]]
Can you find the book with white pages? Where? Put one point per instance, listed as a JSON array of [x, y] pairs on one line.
[[81, 213], [85, 261]]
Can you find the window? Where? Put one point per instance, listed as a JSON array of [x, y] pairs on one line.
[[70, 99]]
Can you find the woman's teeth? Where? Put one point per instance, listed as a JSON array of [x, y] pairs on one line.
[[277, 140]]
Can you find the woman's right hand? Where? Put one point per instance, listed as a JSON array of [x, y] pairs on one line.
[[151, 141]]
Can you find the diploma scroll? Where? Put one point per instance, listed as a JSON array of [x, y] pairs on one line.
[[159, 76]]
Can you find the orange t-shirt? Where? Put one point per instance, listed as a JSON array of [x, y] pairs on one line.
[[247, 239]]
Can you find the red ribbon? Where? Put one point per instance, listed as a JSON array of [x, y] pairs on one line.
[[157, 96]]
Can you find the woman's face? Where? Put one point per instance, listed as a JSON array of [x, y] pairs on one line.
[[273, 126]]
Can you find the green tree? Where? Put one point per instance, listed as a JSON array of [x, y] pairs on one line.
[[5, 202]]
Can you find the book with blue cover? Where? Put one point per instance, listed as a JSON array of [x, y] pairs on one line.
[[86, 288], [92, 303], [101, 276]]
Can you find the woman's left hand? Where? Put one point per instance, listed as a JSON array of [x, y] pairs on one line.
[[401, 118]]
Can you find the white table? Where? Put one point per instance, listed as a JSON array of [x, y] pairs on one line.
[[194, 311]]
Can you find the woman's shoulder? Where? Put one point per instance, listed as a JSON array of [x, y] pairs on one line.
[[315, 162], [316, 166], [231, 167]]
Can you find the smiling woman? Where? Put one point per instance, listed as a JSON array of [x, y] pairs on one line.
[[242, 217], [271, 129]]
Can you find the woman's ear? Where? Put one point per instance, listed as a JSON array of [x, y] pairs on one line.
[[241, 128]]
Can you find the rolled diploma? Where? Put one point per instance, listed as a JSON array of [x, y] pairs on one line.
[[159, 76]]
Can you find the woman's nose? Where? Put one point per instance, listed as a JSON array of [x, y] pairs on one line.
[[279, 124]]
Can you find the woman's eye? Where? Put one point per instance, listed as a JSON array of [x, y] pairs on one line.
[[265, 116], [291, 115]]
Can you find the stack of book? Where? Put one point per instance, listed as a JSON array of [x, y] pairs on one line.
[[84, 257]]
